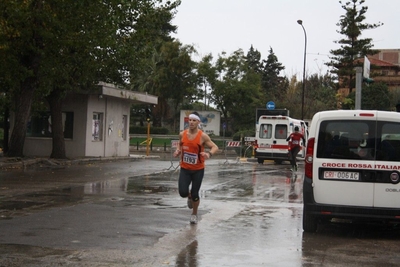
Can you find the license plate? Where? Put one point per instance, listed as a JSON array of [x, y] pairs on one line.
[[354, 176], [265, 146]]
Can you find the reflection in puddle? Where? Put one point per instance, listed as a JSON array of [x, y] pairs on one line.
[[151, 184], [107, 186], [293, 188], [146, 189], [188, 256], [147, 184]]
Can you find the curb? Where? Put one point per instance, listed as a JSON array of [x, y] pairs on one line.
[[23, 163]]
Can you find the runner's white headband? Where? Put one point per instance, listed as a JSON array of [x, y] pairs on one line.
[[194, 117]]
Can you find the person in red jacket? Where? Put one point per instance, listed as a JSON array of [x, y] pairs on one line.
[[191, 149], [294, 146]]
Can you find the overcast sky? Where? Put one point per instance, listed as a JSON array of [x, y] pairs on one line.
[[214, 26]]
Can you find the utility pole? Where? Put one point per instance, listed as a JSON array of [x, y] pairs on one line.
[[358, 86]]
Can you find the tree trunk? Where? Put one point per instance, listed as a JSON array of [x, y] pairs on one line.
[[6, 128], [57, 129], [23, 104], [24, 98]]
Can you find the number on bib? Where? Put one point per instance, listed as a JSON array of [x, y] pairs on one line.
[[189, 158]]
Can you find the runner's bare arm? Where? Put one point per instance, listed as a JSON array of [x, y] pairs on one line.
[[209, 144], [177, 152]]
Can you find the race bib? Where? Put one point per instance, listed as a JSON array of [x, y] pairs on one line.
[[189, 158], [296, 142]]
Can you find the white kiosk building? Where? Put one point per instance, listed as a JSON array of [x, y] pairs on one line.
[[96, 124]]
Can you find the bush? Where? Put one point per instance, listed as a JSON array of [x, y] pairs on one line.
[[227, 133], [245, 133]]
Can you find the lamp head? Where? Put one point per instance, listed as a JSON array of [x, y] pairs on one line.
[[300, 22]]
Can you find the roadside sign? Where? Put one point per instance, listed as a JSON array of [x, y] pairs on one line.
[[270, 105], [366, 68], [249, 141]]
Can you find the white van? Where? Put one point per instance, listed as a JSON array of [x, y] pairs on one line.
[[352, 167], [271, 134]]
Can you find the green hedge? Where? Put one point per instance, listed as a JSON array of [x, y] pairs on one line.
[[143, 130], [245, 133]]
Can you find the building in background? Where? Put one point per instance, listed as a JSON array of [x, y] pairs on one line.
[[96, 124], [385, 67]]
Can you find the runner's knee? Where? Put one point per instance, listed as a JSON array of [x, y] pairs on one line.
[[183, 193]]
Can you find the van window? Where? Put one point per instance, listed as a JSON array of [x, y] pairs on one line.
[[350, 139], [265, 131], [281, 131], [389, 146]]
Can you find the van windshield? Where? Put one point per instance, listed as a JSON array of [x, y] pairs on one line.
[[359, 140]]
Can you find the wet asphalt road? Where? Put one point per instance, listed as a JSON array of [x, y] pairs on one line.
[[129, 213]]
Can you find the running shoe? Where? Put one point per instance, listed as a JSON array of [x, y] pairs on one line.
[[189, 203], [193, 219]]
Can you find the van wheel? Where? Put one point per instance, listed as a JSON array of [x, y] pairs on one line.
[[260, 161], [310, 223], [278, 161]]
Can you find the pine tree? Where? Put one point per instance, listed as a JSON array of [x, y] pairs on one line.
[[253, 58], [272, 84], [352, 47]]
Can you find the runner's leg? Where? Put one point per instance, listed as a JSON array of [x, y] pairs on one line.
[[292, 158], [197, 179], [295, 152], [184, 182]]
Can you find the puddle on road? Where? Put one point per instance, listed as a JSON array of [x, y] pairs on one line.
[[231, 183], [151, 184], [17, 205], [258, 235], [148, 184], [258, 183]]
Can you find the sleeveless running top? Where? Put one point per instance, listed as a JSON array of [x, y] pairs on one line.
[[190, 149]]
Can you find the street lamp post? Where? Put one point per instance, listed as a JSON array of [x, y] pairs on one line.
[[304, 68]]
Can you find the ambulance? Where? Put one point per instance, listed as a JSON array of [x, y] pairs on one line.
[[352, 168], [271, 134]]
